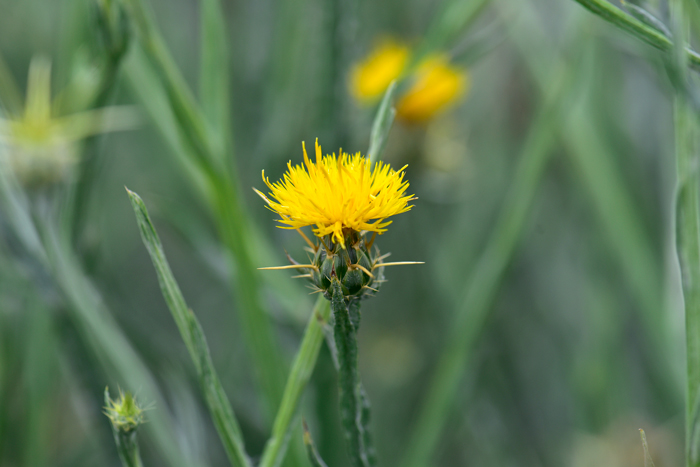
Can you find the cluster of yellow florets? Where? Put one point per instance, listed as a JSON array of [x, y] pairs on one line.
[[338, 194]]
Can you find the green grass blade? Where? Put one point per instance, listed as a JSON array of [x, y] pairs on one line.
[[193, 336], [688, 250], [302, 369], [223, 196], [637, 28], [106, 340], [453, 17], [382, 124], [484, 280], [214, 75]]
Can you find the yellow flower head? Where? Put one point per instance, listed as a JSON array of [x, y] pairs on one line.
[[371, 77], [436, 85], [338, 195]]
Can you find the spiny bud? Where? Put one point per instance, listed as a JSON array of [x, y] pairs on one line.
[[355, 266], [125, 413]]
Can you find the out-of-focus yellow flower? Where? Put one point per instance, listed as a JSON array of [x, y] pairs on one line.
[[338, 195], [371, 77], [40, 145], [437, 84]]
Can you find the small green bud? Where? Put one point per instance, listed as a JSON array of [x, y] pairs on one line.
[[125, 413], [355, 266]]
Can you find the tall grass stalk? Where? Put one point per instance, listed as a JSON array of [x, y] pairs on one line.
[[688, 236], [51, 250], [193, 336], [615, 208], [223, 195], [482, 284]]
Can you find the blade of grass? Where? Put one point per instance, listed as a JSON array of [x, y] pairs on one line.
[[615, 208], [224, 198], [382, 124], [688, 236], [191, 332], [637, 28], [302, 369], [483, 282], [214, 75], [113, 349], [688, 248], [453, 17]]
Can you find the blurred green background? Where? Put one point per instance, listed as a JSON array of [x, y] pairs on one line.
[[583, 342]]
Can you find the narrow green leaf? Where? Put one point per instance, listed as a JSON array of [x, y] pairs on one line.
[[302, 369], [484, 280], [191, 332], [647, 18], [382, 124], [637, 28], [314, 456], [214, 75], [454, 17], [647, 458], [351, 403]]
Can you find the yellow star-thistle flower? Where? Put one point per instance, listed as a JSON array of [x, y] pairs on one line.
[[371, 77], [338, 195], [437, 85]]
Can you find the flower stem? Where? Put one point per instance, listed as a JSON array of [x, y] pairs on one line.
[[353, 403]]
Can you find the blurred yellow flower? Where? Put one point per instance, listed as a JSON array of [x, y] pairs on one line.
[[338, 195], [41, 146], [371, 77], [436, 85]]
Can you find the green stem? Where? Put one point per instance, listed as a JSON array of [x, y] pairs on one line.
[[302, 369], [128, 448], [483, 282], [688, 246], [637, 28], [351, 399]]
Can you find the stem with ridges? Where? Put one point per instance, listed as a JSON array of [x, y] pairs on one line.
[[351, 401]]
